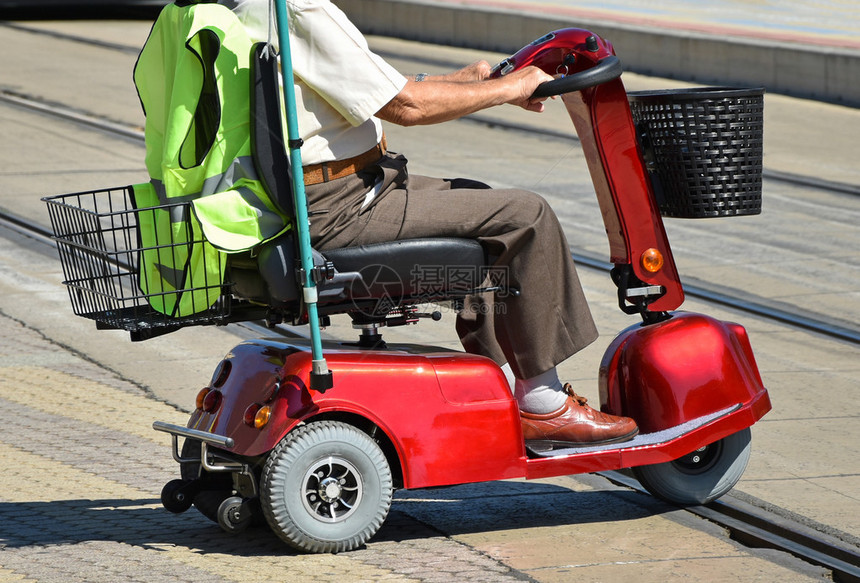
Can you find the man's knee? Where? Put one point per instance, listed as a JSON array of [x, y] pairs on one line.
[[531, 208]]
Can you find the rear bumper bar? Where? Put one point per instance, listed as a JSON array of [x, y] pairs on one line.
[[187, 432]]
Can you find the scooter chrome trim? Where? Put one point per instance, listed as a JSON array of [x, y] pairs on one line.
[[206, 439], [204, 436]]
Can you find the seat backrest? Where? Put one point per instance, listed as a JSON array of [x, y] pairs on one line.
[[269, 276], [267, 139]]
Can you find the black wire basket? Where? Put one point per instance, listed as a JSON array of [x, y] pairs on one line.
[[703, 149], [103, 253]]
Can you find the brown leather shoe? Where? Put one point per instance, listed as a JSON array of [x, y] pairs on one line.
[[576, 424]]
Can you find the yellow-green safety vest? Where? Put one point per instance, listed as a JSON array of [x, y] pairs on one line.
[[194, 83]]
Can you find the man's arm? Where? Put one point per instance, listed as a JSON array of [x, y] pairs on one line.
[[446, 97], [477, 71]]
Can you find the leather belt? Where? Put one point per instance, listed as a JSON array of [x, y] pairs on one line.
[[327, 171]]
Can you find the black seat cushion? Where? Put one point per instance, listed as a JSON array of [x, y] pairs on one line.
[[413, 268]]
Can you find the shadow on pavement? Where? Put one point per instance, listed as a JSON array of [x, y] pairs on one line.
[[415, 515]]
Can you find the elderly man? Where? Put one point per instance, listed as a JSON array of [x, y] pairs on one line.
[[361, 193]]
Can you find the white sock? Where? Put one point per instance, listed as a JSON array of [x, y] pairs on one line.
[[509, 374], [541, 394]]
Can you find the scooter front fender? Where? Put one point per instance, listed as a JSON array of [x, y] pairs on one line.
[[682, 368]]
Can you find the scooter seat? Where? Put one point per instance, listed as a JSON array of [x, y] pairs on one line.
[[412, 267], [413, 270], [398, 272]]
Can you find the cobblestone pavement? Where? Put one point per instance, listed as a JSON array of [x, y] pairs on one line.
[[79, 502], [79, 497]]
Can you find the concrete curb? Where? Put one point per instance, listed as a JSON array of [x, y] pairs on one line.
[[830, 74]]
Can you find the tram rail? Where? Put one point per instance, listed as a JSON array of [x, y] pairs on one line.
[[785, 177], [747, 524], [758, 528], [699, 290]]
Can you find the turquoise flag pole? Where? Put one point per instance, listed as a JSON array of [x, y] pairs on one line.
[[321, 377]]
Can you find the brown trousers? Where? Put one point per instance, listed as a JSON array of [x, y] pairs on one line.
[[544, 325]]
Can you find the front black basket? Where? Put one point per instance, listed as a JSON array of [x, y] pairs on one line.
[[99, 244], [703, 149]]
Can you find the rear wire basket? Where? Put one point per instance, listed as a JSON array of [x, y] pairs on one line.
[[100, 249], [703, 149]]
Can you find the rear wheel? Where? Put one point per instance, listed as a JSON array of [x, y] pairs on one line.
[[326, 487], [174, 496], [701, 476], [234, 515]]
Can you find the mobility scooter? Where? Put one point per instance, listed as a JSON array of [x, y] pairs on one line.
[[313, 438]]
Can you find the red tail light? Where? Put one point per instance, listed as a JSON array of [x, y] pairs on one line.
[[250, 413], [212, 401]]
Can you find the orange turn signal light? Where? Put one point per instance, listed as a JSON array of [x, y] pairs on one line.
[[652, 260], [257, 415], [262, 417], [201, 396]]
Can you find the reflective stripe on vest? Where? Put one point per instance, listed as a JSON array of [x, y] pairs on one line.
[[198, 152]]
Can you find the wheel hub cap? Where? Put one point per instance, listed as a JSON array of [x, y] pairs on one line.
[[332, 489], [700, 460]]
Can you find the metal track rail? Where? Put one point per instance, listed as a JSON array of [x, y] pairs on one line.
[[757, 528], [746, 523], [485, 120], [702, 291], [797, 319], [784, 177]]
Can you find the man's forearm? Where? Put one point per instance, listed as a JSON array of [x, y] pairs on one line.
[[432, 102], [439, 99]]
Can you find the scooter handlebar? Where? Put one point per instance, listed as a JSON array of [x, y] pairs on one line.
[[606, 70]]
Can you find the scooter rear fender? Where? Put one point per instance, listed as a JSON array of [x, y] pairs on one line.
[[687, 366], [449, 416]]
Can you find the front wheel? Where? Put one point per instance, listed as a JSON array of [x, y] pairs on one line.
[[701, 476], [214, 487], [326, 487]]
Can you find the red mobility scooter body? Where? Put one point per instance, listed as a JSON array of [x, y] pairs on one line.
[[443, 417], [450, 417]]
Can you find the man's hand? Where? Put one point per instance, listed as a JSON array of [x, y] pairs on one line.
[[526, 81]]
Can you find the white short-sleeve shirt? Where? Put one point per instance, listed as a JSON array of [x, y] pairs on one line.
[[340, 82]]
